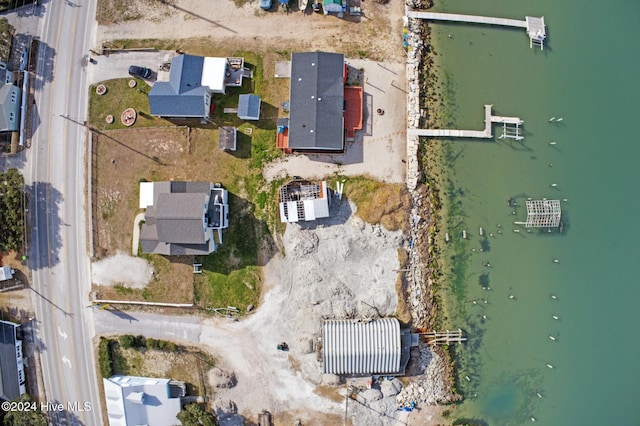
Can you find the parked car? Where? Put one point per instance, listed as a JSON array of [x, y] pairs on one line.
[[266, 4], [141, 72]]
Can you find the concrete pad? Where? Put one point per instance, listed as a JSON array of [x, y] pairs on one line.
[[116, 65], [283, 69]]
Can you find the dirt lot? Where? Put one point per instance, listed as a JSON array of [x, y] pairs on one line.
[[339, 267], [376, 35]]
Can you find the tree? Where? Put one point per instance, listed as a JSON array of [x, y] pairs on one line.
[[11, 210], [33, 417], [6, 33], [195, 415]]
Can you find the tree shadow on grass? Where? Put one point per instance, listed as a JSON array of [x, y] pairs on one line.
[[247, 241], [230, 274]]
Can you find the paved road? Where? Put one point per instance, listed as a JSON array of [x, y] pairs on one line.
[[58, 252]]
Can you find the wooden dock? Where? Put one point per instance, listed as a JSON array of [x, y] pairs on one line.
[[487, 133], [435, 337], [534, 26], [432, 16]]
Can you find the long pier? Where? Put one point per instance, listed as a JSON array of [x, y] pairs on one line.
[[534, 26], [475, 19], [511, 128]]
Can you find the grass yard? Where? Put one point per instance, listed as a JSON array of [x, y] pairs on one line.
[[379, 202], [120, 96], [145, 359]]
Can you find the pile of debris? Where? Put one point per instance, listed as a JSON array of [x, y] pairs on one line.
[[431, 387]]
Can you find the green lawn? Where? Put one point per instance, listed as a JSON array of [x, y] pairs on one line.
[[119, 97]]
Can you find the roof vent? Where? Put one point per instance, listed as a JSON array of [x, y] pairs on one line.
[[313, 64], [299, 78], [319, 99], [313, 97]]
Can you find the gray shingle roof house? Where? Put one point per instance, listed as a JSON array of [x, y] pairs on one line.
[[181, 217], [135, 400], [12, 380], [316, 102], [192, 80], [9, 101]]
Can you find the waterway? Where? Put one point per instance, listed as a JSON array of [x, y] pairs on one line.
[[588, 75]]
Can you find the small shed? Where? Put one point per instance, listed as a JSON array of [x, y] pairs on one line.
[[228, 138], [6, 273], [249, 107]]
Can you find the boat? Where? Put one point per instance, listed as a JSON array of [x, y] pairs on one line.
[[302, 5]]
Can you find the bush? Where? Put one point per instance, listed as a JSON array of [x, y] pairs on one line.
[[139, 341], [126, 341], [152, 344], [104, 358], [167, 346], [195, 415]]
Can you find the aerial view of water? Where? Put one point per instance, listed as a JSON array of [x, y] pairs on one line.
[[566, 300]]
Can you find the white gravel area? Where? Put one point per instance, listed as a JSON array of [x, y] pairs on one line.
[[131, 272]]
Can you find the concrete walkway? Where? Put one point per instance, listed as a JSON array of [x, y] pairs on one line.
[[136, 233]]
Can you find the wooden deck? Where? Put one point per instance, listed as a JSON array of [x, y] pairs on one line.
[[353, 110]]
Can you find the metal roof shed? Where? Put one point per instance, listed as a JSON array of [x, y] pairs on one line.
[[359, 347], [249, 107]]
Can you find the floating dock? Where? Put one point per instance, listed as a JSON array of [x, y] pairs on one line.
[[510, 128], [534, 26]]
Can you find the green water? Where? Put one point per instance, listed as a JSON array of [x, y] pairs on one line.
[[588, 74]]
